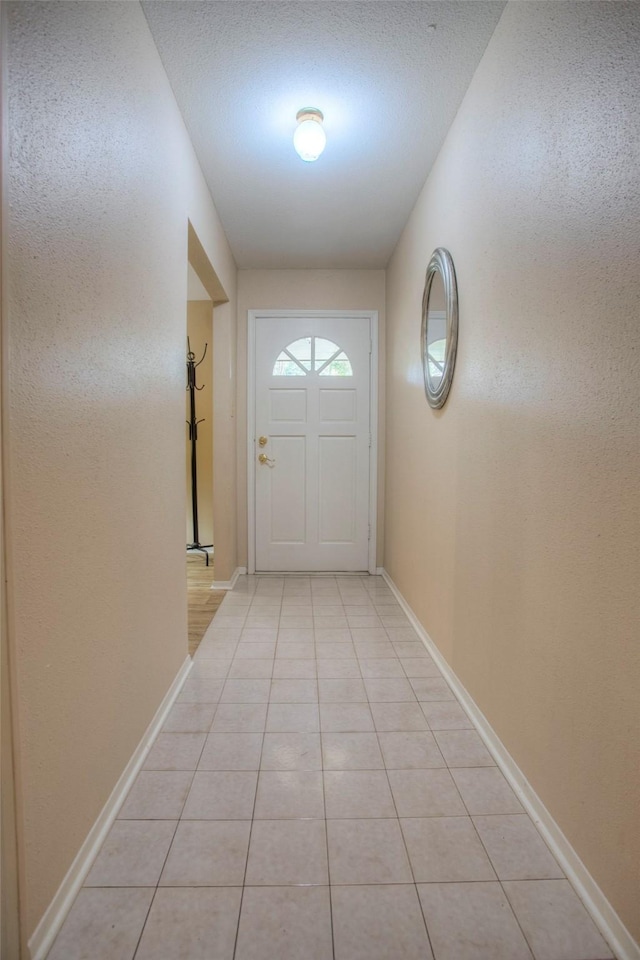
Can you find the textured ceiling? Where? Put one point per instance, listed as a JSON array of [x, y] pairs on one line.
[[389, 77]]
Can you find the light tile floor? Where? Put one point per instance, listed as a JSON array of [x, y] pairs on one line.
[[317, 793]]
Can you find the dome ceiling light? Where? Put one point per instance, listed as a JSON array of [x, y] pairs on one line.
[[309, 139]]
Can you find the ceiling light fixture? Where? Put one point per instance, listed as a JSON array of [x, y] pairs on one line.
[[309, 139]]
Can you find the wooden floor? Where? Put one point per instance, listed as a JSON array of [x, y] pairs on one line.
[[202, 600]]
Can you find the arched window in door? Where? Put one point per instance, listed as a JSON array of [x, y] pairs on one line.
[[312, 355]]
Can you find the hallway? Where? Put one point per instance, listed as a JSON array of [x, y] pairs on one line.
[[318, 793]]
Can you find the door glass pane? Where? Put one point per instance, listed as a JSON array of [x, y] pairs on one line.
[[300, 350], [340, 366], [312, 353], [286, 367]]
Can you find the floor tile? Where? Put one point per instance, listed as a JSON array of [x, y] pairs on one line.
[[195, 923], [555, 922], [445, 850], [294, 669], [254, 650], [345, 717], [287, 923], [364, 635], [389, 690], [410, 750], [373, 649], [365, 622], [175, 751], [296, 606], [200, 691], [463, 748], [398, 717], [420, 667], [428, 689], [295, 651], [231, 751], [217, 649], [485, 790], [246, 691], [379, 922], [133, 854], [333, 634], [387, 609], [471, 921], [328, 609], [293, 718], [294, 691], [358, 794], [293, 622], [267, 635], [331, 623], [189, 718], [410, 648], [103, 924], [425, 793], [263, 619], [226, 620], [404, 634], [342, 691], [335, 651], [296, 635], [209, 669], [240, 718], [157, 795], [446, 716], [207, 853], [339, 669], [381, 669], [367, 851], [291, 751], [351, 751], [240, 788], [517, 850], [286, 794], [284, 852], [221, 795], [251, 670]]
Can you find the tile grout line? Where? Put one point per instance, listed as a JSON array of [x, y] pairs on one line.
[[179, 820], [326, 825], [253, 813], [404, 844]]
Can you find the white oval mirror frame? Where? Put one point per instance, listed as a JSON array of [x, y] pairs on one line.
[[437, 387]]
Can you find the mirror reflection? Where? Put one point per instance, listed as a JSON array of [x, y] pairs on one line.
[[436, 331]]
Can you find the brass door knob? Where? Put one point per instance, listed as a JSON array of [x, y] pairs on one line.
[[263, 458]]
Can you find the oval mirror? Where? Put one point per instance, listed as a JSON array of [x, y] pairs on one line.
[[439, 327]]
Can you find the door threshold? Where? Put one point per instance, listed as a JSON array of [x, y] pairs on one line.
[[311, 573]]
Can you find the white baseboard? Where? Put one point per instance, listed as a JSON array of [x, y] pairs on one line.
[[604, 916], [47, 930], [229, 584]]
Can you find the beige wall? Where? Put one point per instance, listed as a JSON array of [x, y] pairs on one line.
[[200, 332], [513, 514], [102, 181], [306, 290]]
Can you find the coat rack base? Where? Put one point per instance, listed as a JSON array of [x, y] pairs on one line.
[[200, 548]]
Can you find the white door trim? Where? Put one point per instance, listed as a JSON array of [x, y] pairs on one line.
[[253, 317]]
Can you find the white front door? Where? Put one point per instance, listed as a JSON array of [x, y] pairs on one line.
[[312, 382]]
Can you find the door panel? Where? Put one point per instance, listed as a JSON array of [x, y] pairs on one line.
[[337, 470], [287, 487], [312, 400]]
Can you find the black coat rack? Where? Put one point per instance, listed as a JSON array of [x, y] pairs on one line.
[[192, 423]]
